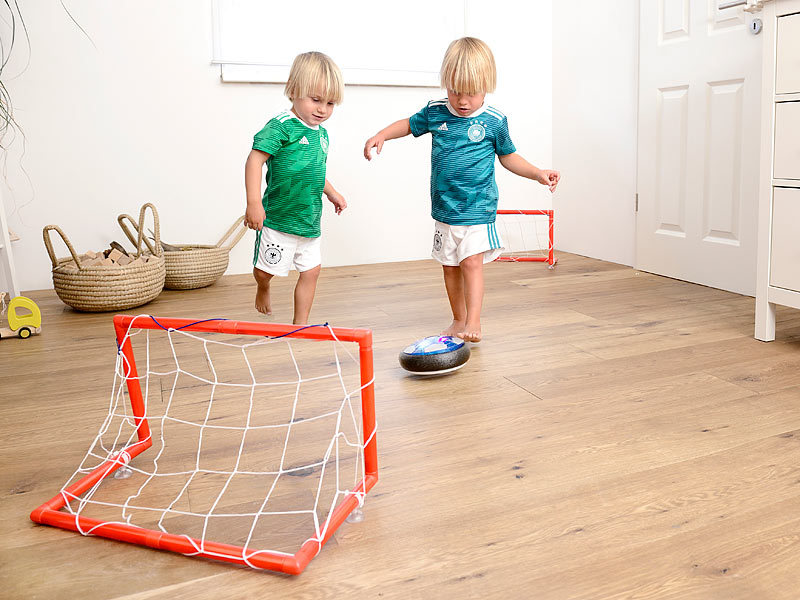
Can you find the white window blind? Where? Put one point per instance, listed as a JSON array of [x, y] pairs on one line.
[[373, 42]]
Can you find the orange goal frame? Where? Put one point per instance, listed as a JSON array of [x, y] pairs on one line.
[[550, 258], [50, 512]]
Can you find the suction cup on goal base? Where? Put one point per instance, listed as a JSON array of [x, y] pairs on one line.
[[123, 473], [356, 516], [435, 355]]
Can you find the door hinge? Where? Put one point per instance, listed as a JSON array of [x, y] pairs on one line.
[[636, 208]]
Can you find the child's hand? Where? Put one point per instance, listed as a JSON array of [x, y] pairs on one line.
[[338, 201], [254, 216], [549, 178], [376, 141]]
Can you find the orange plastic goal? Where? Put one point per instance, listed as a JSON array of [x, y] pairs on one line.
[[526, 233], [188, 453]]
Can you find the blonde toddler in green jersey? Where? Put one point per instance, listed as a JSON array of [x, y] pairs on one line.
[[294, 146], [467, 134]]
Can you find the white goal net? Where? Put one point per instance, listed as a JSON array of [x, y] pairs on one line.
[[527, 235], [256, 440]]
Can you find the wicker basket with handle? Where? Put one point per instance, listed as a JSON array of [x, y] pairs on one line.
[[192, 266], [99, 288]]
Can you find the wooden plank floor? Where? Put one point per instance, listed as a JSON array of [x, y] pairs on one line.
[[616, 435]]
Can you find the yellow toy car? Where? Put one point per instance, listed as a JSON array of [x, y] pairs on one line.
[[22, 325]]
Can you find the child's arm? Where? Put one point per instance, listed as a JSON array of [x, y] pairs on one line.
[[396, 130], [519, 166], [254, 215], [339, 203]]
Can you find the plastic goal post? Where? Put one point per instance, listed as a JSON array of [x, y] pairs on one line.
[[226, 437], [526, 235]]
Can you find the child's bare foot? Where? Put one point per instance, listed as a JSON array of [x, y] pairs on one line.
[[454, 328], [262, 299], [471, 332]]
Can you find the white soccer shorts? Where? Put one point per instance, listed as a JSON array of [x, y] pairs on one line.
[[276, 252], [454, 243]]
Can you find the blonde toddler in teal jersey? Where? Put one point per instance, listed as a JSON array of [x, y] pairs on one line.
[[294, 146], [467, 135]]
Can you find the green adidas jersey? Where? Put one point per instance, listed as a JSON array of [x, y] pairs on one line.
[[295, 174]]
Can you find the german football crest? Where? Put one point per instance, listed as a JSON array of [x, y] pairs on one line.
[[437, 241], [323, 142], [476, 132], [273, 254]]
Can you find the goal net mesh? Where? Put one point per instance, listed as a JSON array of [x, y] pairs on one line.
[[255, 441], [527, 235]]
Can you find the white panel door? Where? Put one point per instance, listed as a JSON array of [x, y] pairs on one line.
[[698, 147]]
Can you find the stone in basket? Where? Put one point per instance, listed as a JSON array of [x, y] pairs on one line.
[[98, 288], [190, 266]]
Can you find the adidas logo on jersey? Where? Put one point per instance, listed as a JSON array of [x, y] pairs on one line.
[[443, 127], [303, 140]]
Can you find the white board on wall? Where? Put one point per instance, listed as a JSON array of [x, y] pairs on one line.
[[374, 43]]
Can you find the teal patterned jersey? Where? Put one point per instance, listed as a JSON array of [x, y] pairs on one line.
[[463, 188]]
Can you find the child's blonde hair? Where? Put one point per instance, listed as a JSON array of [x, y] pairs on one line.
[[314, 73], [468, 67]]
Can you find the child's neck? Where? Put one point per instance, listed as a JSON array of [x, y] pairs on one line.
[[299, 118], [467, 116]]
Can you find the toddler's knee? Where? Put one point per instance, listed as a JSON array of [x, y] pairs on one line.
[[311, 273], [472, 263], [262, 277]]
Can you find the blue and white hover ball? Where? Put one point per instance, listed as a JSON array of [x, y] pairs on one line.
[[435, 355]]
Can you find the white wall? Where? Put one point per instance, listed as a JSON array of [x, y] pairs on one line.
[[595, 83], [144, 117]]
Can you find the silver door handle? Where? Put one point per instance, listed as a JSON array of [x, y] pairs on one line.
[[752, 5]]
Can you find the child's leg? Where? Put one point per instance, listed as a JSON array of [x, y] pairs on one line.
[[454, 284], [304, 294], [472, 272], [262, 292]]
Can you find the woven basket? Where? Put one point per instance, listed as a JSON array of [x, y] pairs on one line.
[[102, 288], [192, 266]]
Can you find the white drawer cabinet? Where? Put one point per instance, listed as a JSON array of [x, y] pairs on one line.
[[787, 140], [779, 183], [785, 265], [787, 55]]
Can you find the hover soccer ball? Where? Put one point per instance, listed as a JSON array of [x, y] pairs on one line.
[[435, 355]]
